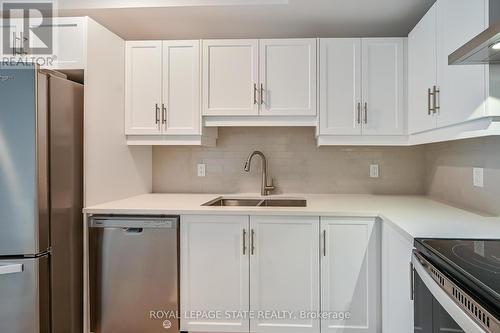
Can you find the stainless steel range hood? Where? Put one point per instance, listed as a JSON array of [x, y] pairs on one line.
[[485, 47], [480, 50]]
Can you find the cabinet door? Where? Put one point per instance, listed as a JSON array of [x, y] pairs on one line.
[[13, 28], [143, 87], [383, 86], [230, 77], [181, 110], [214, 272], [340, 86], [397, 305], [288, 77], [350, 276], [422, 73], [284, 274], [69, 42], [463, 88]]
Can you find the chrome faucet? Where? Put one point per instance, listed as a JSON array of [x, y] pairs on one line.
[[265, 188]]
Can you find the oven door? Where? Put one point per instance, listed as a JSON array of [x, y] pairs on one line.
[[434, 310]]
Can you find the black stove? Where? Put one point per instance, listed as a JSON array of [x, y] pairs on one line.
[[474, 265]]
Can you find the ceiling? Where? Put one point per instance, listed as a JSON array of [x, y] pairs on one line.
[[203, 19]]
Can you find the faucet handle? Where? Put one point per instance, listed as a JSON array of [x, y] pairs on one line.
[[270, 187]]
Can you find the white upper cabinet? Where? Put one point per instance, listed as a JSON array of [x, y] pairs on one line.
[[462, 94], [272, 77], [230, 77], [441, 95], [181, 87], [143, 87], [340, 86], [383, 86], [214, 271], [284, 274], [362, 86], [288, 77], [350, 275], [68, 42], [422, 73], [163, 93]]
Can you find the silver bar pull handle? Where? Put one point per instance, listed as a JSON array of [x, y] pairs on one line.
[[262, 94], [157, 114], [435, 94], [324, 243], [11, 269], [358, 118], [163, 114], [255, 101], [430, 109], [252, 239], [244, 241], [14, 40], [366, 113], [23, 40]]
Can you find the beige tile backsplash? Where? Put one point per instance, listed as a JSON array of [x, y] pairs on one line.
[[449, 173], [441, 170], [295, 162]]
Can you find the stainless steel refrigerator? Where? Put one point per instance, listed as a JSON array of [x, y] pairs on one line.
[[41, 191]]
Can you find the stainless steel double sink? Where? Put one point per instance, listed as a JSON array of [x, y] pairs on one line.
[[256, 202]]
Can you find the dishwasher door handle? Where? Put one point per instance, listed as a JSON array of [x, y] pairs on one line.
[[133, 231]]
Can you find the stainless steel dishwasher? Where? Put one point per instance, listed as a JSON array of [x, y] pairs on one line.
[[134, 274]]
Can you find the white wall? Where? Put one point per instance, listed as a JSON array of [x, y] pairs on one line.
[[112, 169]]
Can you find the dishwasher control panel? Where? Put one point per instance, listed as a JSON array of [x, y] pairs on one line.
[[132, 221]]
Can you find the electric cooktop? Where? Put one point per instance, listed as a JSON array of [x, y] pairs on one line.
[[474, 264]]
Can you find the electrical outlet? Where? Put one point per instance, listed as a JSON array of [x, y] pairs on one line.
[[478, 177], [201, 170], [374, 171]]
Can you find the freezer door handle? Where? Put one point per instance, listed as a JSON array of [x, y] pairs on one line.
[[10, 268]]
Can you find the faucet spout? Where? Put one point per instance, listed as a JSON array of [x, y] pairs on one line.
[[265, 187]]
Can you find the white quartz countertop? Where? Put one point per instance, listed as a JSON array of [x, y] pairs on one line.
[[415, 216]]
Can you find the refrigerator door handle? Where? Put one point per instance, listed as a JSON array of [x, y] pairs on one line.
[[11, 269]]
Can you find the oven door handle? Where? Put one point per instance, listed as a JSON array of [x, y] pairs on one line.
[[462, 319]]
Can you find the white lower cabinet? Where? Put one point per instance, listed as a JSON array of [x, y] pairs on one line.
[[284, 272], [214, 272], [278, 274], [397, 304], [350, 275]]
